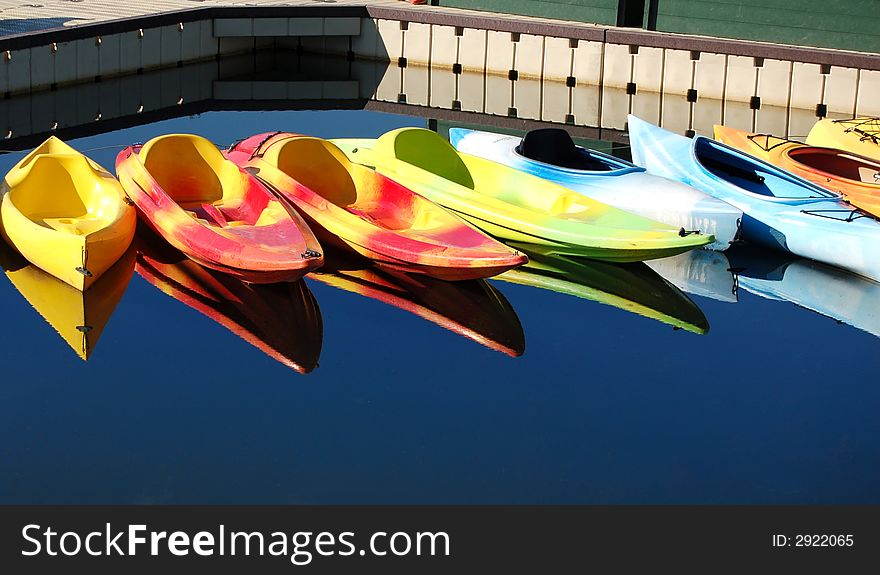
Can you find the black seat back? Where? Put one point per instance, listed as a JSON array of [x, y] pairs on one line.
[[554, 146]]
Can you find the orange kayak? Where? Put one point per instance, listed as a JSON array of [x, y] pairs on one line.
[[281, 320], [214, 212], [354, 207], [855, 177]]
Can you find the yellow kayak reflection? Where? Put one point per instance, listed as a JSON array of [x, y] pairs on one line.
[[471, 308], [282, 320], [79, 317], [633, 287]]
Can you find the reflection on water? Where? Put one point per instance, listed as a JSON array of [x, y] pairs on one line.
[[704, 273], [78, 317], [631, 287], [826, 290], [604, 406], [473, 308], [281, 320]]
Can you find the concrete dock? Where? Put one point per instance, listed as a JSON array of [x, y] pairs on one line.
[[428, 60]]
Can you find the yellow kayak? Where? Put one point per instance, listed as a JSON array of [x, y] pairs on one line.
[[65, 214], [856, 135], [78, 317], [516, 206]]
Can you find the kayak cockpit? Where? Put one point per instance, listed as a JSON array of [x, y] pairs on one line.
[[193, 173], [751, 174], [318, 165], [554, 146], [63, 192], [323, 169], [837, 163]]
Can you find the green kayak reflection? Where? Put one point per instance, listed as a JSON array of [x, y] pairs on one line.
[[820, 288], [79, 317], [632, 287], [472, 308], [282, 320]]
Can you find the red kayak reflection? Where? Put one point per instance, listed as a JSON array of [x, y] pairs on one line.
[[471, 308], [282, 320]]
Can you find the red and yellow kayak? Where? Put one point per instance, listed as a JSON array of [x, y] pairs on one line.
[[855, 177], [214, 212], [354, 207], [281, 320]]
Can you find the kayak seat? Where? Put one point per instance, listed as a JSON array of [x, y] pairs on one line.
[[554, 146], [245, 210], [187, 168], [429, 151], [210, 213], [55, 188], [78, 226], [319, 166]]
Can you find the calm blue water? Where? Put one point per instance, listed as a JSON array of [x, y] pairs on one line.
[[776, 404]]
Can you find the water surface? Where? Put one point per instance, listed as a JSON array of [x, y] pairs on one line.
[[588, 403]]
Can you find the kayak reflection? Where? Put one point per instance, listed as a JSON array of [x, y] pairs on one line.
[[633, 287], [699, 272], [471, 308], [821, 288], [79, 317], [282, 320]]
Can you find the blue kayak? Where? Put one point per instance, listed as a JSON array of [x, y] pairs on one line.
[[551, 154], [781, 210]]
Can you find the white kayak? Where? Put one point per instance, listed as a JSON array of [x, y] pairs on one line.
[[826, 290], [551, 154], [782, 211], [699, 272]]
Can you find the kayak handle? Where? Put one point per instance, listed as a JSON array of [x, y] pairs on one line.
[[684, 233], [256, 151]]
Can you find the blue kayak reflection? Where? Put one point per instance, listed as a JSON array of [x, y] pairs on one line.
[[827, 290], [704, 273]]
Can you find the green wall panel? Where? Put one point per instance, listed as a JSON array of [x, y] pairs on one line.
[[595, 11], [846, 24]]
